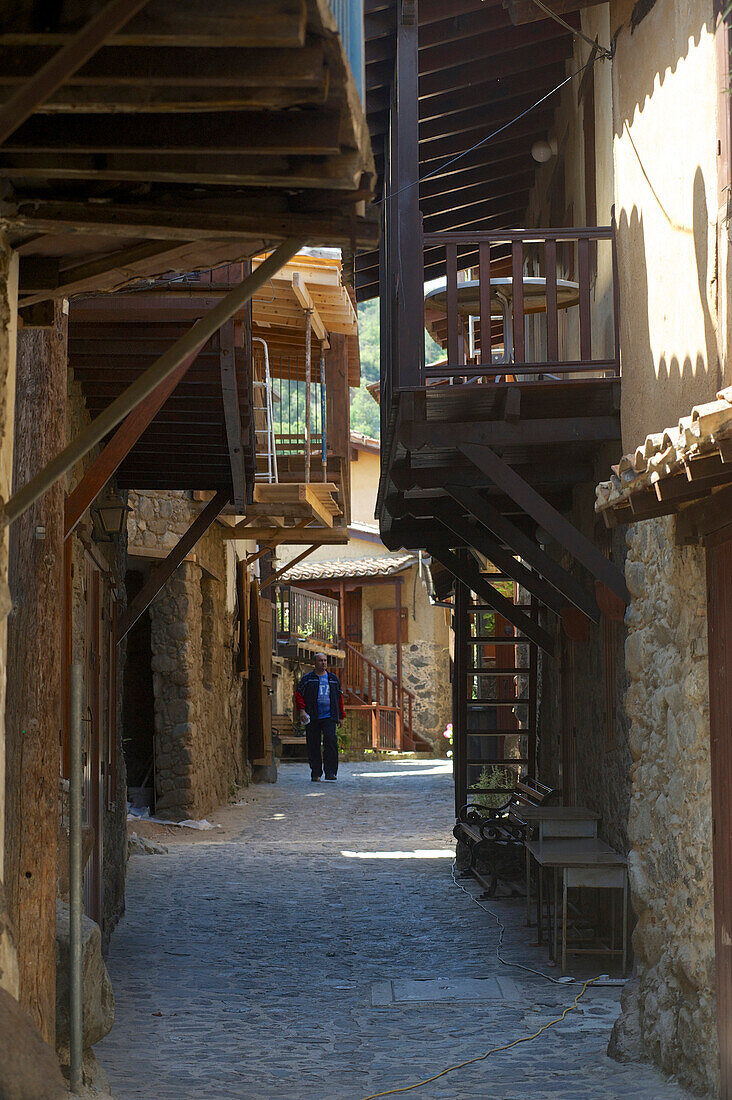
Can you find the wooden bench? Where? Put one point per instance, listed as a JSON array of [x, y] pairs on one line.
[[283, 727], [494, 836]]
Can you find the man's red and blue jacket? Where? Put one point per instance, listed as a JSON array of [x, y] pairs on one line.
[[306, 696]]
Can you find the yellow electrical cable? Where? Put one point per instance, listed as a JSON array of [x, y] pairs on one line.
[[495, 1050]]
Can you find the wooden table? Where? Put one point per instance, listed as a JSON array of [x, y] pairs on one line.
[[555, 822], [583, 861]]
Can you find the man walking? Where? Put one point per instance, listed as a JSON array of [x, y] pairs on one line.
[[319, 701]]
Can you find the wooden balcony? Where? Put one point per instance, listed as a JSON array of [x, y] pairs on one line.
[[485, 449]]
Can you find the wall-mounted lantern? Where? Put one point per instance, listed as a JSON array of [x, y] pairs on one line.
[[109, 515]]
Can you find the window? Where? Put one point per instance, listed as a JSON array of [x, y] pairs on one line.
[[385, 626]]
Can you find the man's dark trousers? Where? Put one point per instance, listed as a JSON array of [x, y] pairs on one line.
[[325, 729]]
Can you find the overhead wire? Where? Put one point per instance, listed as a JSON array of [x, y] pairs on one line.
[[489, 137], [602, 51]]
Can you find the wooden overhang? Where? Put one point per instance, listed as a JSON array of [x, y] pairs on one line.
[[307, 283], [476, 72], [202, 436], [492, 469], [166, 135]]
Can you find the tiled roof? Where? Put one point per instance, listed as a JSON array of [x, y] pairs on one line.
[[385, 566], [687, 451]]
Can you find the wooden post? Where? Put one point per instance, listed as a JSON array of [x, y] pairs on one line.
[[459, 692], [342, 610], [398, 641], [337, 412], [374, 726], [34, 692], [407, 262], [308, 364]]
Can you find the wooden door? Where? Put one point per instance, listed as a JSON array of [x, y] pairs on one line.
[[719, 611], [353, 618]]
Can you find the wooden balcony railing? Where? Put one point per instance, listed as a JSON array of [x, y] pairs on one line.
[[564, 279], [302, 616], [370, 688]]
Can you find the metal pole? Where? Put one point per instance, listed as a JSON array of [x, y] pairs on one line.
[[76, 1021], [308, 333], [193, 340]]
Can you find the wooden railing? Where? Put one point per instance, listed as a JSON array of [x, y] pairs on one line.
[[543, 273], [390, 704], [303, 616]]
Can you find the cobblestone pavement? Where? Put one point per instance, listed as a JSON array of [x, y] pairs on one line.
[[293, 955]]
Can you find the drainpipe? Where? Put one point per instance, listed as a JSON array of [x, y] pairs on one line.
[[76, 1021]]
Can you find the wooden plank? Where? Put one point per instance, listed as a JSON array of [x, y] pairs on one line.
[[704, 518], [270, 132], [477, 536], [232, 415], [177, 67], [248, 23], [478, 582], [342, 171], [499, 433], [522, 12], [303, 296], [552, 312], [119, 446], [547, 517], [517, 276], [287, 536], [274, 577], [453, 355], [247, 221], [72, 55], [484, 266], [585, 304], [529, 550], [403, 209], [319, 510], [165, 570]]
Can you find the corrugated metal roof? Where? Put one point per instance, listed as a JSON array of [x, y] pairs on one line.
[[385, 566]]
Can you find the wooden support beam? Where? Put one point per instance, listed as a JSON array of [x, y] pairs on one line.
[[529, 550], [185, 23], [72, 55], [165, 570], [566, 534], [522, 12], [477, 536], [85, 276], [500, 433], [154, 376], [119, 447], [274, 577], [467, 572], [232, 415], [303, 296], [265, 132], [276, 536]]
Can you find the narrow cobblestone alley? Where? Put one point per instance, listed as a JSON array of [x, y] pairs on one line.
[[288, 956]]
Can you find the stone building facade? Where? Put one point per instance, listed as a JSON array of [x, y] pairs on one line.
[[670, 824], [185, 702]]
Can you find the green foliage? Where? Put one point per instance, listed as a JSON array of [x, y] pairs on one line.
[[364, 418], [489, 780]]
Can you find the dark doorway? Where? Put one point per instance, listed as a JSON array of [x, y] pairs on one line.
[[138, 705]]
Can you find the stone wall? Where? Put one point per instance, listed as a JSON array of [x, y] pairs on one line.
[[670, 812], [200, 755]]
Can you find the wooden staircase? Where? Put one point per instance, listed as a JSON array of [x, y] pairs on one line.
[[371, 691]]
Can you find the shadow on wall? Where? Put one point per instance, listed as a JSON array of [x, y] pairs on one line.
[[701, 252], [683, 27]]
